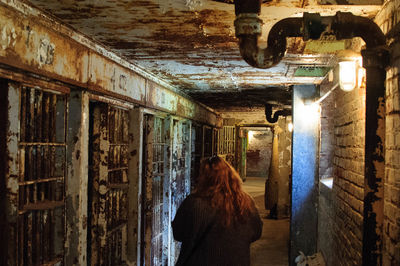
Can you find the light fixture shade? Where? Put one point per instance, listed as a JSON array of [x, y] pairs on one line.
[[347, 75]]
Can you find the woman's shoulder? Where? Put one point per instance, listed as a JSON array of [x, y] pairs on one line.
[[195, 201], [194, 198]]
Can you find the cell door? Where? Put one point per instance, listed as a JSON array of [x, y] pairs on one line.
[[155, 193], [197, 142], [41, 184], [108, 185], [180, 172]]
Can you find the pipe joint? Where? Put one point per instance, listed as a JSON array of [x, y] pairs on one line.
[[248, 24], [377, 57], [345, 25], [247, 6], [314, 26], [274, 118]]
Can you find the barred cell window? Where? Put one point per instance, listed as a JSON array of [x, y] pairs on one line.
[[159, 228], [108, 184], [42, 158]]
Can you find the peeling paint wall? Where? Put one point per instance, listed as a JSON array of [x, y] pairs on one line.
[[245, 116], [258, 153], [77, 182], [192, 43], [12, 170], [4, 234], [62, 54]]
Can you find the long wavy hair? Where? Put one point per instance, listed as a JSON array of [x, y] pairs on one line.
[[221, 185]]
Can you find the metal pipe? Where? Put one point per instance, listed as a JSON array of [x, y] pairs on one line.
[[273, 119], [347, 26], [248, 29], [247, 6], [374, 168]]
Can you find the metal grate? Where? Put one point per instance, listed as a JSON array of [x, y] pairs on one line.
[[228, 140], [158, 164], [117, 197], [42, 153], [108, 179], [180, 178]]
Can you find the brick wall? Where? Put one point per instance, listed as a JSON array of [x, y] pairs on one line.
[[325, 203], [389, 20], [348, 169], [342, 156], [327, 140]]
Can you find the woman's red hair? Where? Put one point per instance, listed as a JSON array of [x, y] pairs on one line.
[[220, 183]]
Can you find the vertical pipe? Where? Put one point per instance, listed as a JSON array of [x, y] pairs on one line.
[[374, 156]]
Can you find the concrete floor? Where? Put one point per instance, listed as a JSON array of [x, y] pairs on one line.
[[272, 248]]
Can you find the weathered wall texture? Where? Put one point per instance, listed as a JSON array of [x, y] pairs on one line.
[[325, 203], [259, 153], [327, 132], [389, 21], [348, 113], [246, 116], [285, 166], [53, 50], [42, 53]]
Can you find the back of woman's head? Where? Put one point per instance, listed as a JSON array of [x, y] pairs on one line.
[[219, 182]]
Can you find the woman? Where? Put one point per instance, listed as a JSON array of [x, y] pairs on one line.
[[218, 221]]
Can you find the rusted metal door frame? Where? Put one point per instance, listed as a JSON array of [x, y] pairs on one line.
[[145, 221], [35, 173], [197, 145], [12, 171], [180, 171], [149, 223], [134, 193], [77, 183], [107, 241], [4, 226]]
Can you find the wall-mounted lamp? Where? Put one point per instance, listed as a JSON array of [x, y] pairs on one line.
[[350, 63], [348, 74]]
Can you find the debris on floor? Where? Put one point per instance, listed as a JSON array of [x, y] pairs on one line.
[[314, 260]]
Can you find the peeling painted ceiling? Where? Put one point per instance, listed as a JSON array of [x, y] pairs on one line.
[[191, 44]]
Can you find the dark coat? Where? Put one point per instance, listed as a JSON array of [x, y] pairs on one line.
[[206, 242]]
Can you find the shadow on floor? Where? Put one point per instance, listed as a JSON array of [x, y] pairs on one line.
[[272, 248]]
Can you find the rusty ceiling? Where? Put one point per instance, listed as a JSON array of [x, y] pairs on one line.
[[191, 44]]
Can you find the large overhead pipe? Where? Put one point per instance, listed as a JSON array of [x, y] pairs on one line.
[[248, 29], [274, 118], [375, 60]]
